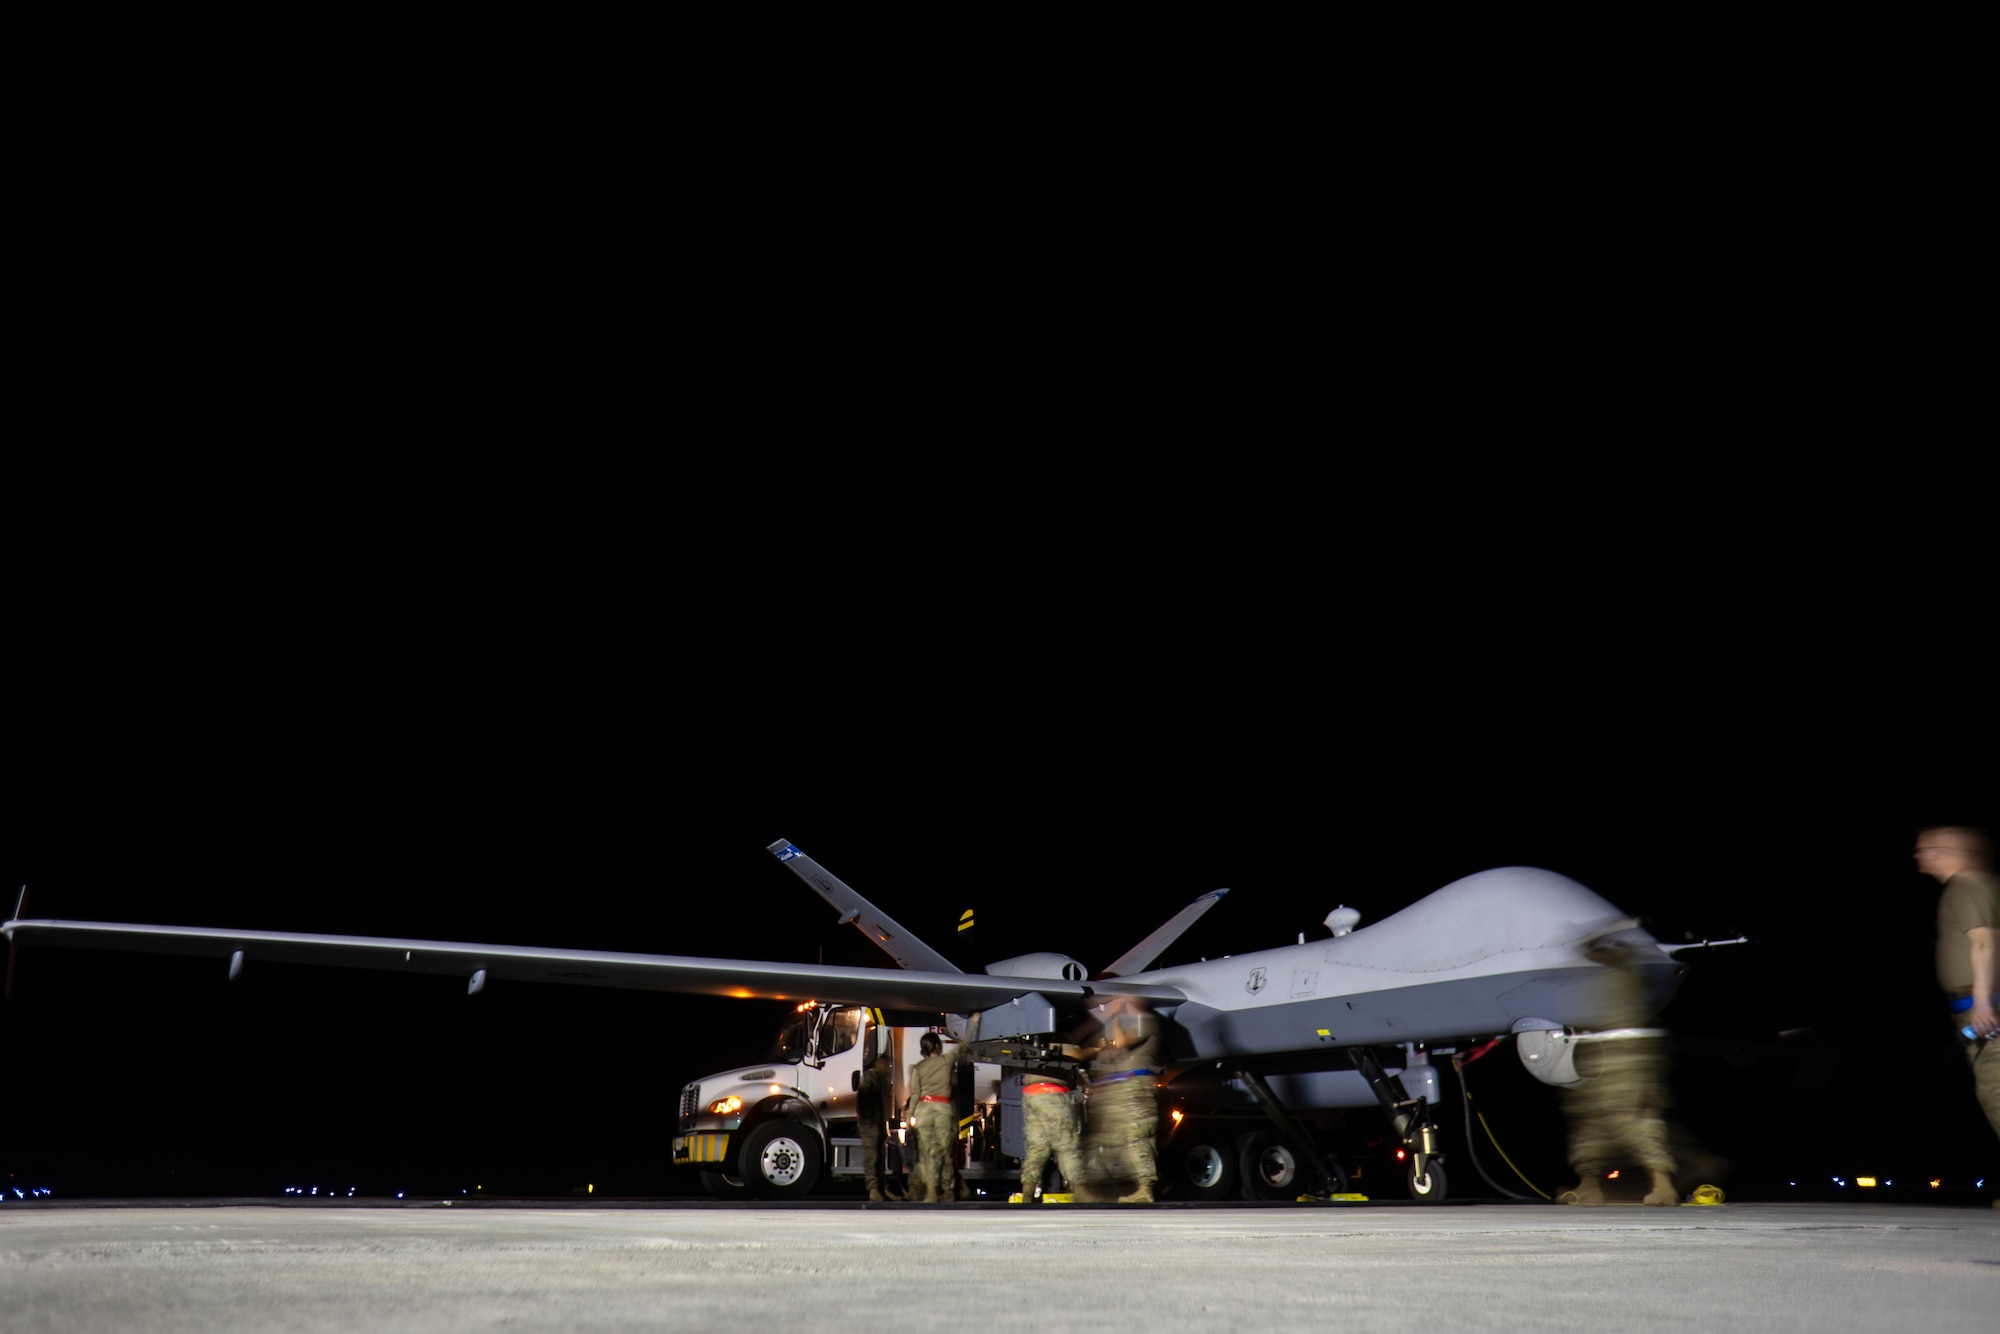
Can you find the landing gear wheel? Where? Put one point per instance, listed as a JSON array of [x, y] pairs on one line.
[[1430, 1187], [1271, 1171], [780, 1160], [1206, 1172]]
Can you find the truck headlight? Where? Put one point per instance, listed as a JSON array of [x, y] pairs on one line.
[[728, 1106]]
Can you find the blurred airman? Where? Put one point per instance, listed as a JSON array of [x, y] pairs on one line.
[[1616, 1115], [1968, 949], [1124, 1111]]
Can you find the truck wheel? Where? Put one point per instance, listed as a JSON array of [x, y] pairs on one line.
[[1271, 1171], [1207, 1171], [780, 1160], [1430, 1187], [724, 1187]]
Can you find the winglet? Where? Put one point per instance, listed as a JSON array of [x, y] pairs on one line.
[[872, 922], [1141, 955], [19, 902]]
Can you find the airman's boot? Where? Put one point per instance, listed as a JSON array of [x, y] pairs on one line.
[[875, 1196], [1143, 1195], [1663, 1191], [1590, 1190]]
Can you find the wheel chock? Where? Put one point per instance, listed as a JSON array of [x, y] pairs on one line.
[[1705, 1195]]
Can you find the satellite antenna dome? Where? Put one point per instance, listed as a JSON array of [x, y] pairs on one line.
[[1343, 920]]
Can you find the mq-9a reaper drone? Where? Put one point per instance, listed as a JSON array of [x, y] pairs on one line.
[[1261, 1039]]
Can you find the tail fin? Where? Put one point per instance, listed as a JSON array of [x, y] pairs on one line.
[[878, 926], [1141, 955]]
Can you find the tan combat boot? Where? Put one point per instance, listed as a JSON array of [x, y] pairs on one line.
[[875, 1196], [1143, 1195], [1663, 1192], [1590, 1190]]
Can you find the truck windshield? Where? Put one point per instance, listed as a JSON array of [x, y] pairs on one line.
[[841, 1031], [791, 1044]]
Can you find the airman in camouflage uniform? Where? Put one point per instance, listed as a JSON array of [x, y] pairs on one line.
[[1617, 1114], [931, 1112], [1124, 1109], [871, 1115], [1049, 1125]]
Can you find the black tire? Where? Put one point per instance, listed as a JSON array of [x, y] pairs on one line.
[[1205, 1170], [780, 1161], [1269, 1168], [1432, 1187], [724, 1187]]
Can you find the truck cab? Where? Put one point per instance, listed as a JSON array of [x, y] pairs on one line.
[[768, 1129], [776, 1129]]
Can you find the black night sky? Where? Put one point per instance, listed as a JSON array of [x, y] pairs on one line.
[[588, 742]]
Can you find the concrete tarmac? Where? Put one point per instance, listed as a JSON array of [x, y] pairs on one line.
[[844, 1266]]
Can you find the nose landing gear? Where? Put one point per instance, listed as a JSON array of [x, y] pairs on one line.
[[1411, 1119]]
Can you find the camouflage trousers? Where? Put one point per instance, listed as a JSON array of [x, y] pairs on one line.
[[1616, 1119], [1124, 1117], [937, 1132], [1984, 1058], [874, 1149], [1048, 1124]]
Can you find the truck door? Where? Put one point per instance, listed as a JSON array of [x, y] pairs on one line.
[[839, 1055]]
